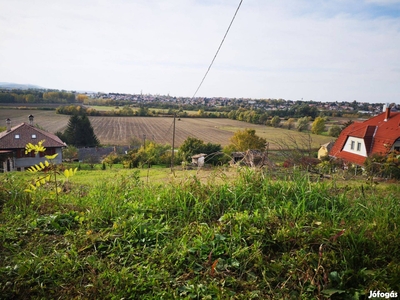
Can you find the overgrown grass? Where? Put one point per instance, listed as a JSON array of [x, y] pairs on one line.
[[252, 237]]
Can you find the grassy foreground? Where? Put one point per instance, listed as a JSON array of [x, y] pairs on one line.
[[251, 237]]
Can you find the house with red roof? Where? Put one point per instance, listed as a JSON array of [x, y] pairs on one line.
[[14, 139], [379, 134]]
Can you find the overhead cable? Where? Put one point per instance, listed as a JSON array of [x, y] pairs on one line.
[[226, 33]]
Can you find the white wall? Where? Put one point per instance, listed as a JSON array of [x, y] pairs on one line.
[[347, 146]]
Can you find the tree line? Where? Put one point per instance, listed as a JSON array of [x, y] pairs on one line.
[[36, 96]]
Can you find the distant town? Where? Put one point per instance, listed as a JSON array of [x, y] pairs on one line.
[[248, 103], [14, 93]]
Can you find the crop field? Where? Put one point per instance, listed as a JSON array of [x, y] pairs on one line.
[[119, 130], [46, 119]]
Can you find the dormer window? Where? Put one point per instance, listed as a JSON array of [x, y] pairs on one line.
[[17, 136], [34, 136]]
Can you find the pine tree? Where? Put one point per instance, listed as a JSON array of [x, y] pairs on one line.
[[80, 132]]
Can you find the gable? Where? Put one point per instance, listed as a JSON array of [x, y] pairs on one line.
[[23, 134]]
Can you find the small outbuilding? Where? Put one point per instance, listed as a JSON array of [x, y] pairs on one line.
[[324, 149], [199, 159]]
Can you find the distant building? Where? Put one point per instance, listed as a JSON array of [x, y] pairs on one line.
[[14, 140], [324, 149]]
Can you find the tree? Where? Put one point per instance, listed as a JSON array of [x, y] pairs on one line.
[[302, 123], [192, 146], [111, 159], [247, 139], [296, 149], [81, 98], [347, 124], [275, 121], [334, 131], [290, 123], [80, 132], [70, 153], [151, 154], [318, 126]]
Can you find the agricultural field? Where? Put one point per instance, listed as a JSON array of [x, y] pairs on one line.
[[47, 119], [119, 130]]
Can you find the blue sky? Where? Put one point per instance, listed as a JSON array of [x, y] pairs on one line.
[[338, 50]]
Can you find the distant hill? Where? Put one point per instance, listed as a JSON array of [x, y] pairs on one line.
[[9, 85]]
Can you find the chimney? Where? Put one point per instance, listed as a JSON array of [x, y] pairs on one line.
[[8, 122], [30, 120], [387, 113]]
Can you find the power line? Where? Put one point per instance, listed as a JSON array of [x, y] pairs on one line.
[[226, 33]]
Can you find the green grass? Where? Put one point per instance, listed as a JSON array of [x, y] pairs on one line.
[[217, 234]]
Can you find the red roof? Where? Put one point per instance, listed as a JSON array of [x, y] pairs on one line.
[[378, 134], [28, 134]]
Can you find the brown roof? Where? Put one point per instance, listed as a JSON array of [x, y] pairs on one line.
[[26, 134]]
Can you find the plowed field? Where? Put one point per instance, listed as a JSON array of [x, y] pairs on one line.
[[119, 130]]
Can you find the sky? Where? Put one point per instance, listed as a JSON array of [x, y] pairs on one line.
[[320, 50]]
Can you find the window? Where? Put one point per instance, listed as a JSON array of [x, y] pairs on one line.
[[34, 136], [358, 146], [17, 136], [49, 151], [352, 145], [21, 153]]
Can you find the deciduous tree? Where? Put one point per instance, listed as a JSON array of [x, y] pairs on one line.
[[334, 131], [275, 121], [318, 126], [247, 139], [302, 123], [192, 146]]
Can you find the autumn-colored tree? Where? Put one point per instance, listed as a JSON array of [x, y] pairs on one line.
[[81, 98], [318, 126], [247, 139], [290, 123], [111, 159]]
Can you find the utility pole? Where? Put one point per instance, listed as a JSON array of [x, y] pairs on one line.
[[173, 145], [144, 141]]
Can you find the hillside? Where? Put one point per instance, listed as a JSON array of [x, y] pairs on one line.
[[9, 85], [217, 234]]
